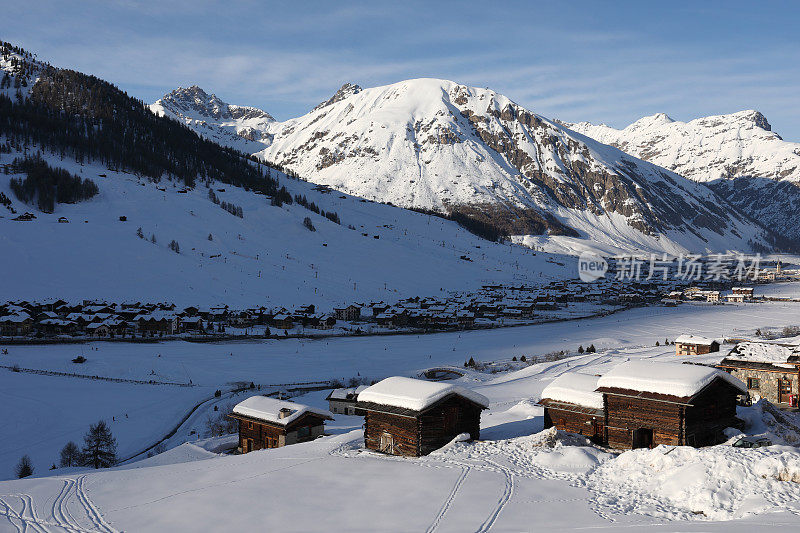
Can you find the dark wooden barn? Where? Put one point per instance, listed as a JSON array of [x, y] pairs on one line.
[[269, 423], [412, 417], [647, 404], [571, 404]]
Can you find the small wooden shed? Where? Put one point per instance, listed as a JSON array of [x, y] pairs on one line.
[[571, 404], [412, 417], [269, 423], [648, 403]]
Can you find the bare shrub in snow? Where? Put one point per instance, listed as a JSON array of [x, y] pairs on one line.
[[219, 423], [790, 331]]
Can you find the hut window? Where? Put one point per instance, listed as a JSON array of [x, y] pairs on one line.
[[303, 432], [752, 383], [249, 425]]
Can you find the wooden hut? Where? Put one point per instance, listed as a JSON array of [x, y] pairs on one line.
[[571, 404], [647, 404], [695, 345], [343, 401], [770, 370], [412, 417], [269, 423]]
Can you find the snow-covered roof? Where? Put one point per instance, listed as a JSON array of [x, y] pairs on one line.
[[762, 352], [269, 410], [694, 339], [415, 394], [573, 387], [672, 379], [349, 393]]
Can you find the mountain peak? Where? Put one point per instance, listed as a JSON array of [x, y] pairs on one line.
[[348, 89], [751, 115], [195, 101], [658, 119]]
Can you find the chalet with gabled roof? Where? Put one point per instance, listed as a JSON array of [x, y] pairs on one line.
[[412, 417], [695, 345], [647, 404], [269, 423]]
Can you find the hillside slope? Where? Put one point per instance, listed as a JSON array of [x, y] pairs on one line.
[[737, 155], [435, 144]]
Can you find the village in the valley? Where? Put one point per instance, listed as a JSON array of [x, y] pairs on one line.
[[493, 305]]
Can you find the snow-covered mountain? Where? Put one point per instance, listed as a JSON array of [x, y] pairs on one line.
[[241, 127], [737, 155], [436, 144], [706, 149]]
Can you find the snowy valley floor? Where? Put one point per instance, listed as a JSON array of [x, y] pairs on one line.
[[513, 480]]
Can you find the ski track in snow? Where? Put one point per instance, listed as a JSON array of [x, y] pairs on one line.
[[449, 501], [508, 493], [73, 491]]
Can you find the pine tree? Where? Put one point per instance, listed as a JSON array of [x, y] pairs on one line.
[[100, 447], [24, 468], [308, 224], [153, 238], [580, 349], [210, 238], [70, 455], [139, 233]]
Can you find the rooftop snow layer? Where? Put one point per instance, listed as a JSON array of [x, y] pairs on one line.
[[694, 339], [573, 387], [269, 409], [672, 379], [762, 352], [415, 394]]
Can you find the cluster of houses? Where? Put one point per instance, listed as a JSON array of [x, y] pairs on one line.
[[93, 319], [636, 404], [402, 416], [490, 305], [735, 295], [98, 319]]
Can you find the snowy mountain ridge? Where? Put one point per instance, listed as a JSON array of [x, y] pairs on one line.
[[737, 155], [436, 144], [705, 149], [241, 127]]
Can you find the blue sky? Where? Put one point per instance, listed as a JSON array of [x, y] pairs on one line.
[[609, 62]]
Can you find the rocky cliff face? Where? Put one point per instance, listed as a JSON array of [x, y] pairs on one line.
[[242, 127], [738, 155]]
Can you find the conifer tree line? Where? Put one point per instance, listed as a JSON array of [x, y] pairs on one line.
[[47, 185], [88, 119], [311, 206]]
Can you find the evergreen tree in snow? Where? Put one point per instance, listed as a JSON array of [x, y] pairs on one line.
[[100, 447], [24, 468]]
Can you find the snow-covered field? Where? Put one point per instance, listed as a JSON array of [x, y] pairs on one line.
[[512, 480]]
